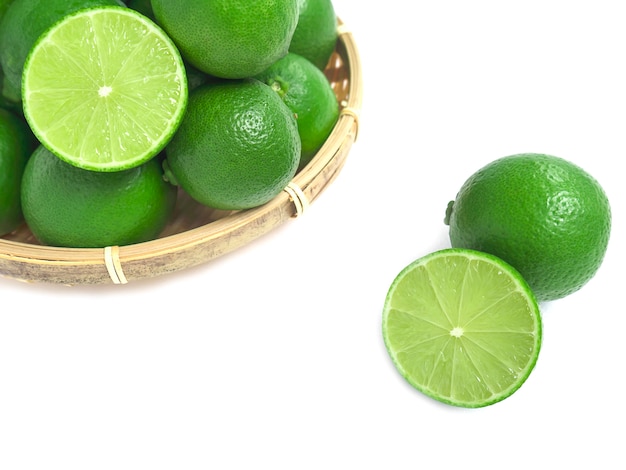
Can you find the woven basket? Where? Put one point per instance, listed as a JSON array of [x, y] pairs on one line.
[[197, 234]]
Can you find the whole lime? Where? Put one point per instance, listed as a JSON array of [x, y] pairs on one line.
[[237, 146], [542, 214], [229, 38], [307, 92], [68, 206], [16, 144], [315, 36]]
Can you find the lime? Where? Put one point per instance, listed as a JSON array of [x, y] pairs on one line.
[[4, 4], [23, 22], [237, 147], [542, 214], [229, 38], [306, 91], [142, 6], [110, 101], [16, 145], [196, 78], [462, 327], [5, 102], [9, 99], [315, 36], [67, 206]]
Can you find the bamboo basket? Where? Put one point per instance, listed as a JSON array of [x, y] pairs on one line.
[[198, 234]]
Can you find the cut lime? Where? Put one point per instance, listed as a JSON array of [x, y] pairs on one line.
[[462, 327], [104, 89]]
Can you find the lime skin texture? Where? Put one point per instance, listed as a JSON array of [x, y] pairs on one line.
[[237, 147], [16, 145], [229, 38], [71, 207], [306, 91], [542, 214]]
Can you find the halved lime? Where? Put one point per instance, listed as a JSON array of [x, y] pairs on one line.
[[462, 327], [104, 89]]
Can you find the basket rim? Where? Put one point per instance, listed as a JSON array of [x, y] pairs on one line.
[[285, 203]]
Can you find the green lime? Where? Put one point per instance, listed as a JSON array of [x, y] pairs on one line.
[[462, 327], [4, 5], [229, 38], [306, 91], [16, 145], [315, 36], [142, 6], [110, 101], [237, 147], [67, 206], [542, 214], [196, 78], [5, 102], [8, 99], [23, 22]]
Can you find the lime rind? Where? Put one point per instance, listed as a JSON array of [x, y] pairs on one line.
[[462, 327], [104, 102]]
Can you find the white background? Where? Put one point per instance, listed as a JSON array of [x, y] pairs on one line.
[[272, 356]]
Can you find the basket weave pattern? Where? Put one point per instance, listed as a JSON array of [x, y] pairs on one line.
[[197, 234]]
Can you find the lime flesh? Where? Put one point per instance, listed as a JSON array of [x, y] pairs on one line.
[[104, 89], [462, 327]]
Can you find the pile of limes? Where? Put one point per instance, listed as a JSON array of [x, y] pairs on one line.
[[110, 108]]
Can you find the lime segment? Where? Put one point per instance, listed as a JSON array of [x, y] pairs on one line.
[[462, 327], [104, 89]]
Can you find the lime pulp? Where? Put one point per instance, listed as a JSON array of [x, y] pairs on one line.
[[104, 89], [462, 327]]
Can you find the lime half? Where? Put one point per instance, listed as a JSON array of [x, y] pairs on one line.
[[462, 327], [104, 89]]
